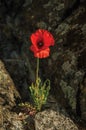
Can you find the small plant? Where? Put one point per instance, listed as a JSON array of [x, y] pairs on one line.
[[39, 92], [41, 41]]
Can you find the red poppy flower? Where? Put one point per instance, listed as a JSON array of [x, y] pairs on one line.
[[41, 41]]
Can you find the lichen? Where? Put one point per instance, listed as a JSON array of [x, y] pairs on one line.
[[71, 79], [69, 93]]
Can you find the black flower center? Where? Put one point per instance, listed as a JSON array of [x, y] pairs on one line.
[[40, 44]]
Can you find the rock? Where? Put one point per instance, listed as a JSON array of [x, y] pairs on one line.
[[84, 30], [83, 99], [66, 65], [42, 25], [8, 92], [8, 97], [9, 120], [13, 7], [62, 28], [52, 120], [70, 81], [27, 2], [69, 58]]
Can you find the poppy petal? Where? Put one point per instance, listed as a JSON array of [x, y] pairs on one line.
[[48, 39], [39, 32], [32, 48], [43, 53], [35, 39]]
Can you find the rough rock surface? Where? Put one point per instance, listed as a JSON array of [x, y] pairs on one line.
[[67, 62], [52, 120], [8, 92], [8, 97]]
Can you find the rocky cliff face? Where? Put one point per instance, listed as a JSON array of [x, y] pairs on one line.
[[66, 66], [8, 97]]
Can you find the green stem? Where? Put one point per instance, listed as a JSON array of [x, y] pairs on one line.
[[37, 69]]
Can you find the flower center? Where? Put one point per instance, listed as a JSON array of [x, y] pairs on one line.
[[40, 44]]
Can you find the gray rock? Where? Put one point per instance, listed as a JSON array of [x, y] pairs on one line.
[[42, 25], [83, 99], [8, 96], [8, 92], [84, 30], [52, 120], [27, 2], [62, 28]]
